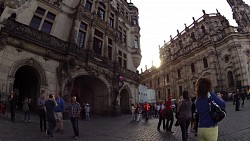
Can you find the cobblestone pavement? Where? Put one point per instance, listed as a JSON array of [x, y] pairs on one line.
[[235, 127]]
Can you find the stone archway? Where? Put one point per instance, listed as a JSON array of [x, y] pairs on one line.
[[91, 89], [29, 62], [27, 78]]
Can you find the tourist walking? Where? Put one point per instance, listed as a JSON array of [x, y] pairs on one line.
[[13, 105], [184, 114], [195, 116], [162, 117], [243, 97], [50, 106], [59, 109], [26, 109], [158, 106], [87, 111], [169, 114], [74, 113], [237, 99], [138, 111], [83, 111], [208, 128], [133, 113], [42, 113], [146, 110]]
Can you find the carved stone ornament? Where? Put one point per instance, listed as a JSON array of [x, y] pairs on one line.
[[93, 70], [14, 4], [247, 52], [2, 41]]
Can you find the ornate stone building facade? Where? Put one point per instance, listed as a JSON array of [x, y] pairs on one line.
[[86, 48], [210, 48]]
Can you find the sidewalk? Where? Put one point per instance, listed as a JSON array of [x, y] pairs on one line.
[[235, 127]]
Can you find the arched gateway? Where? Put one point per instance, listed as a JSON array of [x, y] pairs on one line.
[[94, 90], [27, 79]]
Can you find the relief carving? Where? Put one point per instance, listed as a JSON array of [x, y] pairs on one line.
[[2, 41], [93, 70], [14, 4], [64, 69]]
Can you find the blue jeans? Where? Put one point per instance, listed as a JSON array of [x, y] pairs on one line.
[[74, 122], [184, 128]]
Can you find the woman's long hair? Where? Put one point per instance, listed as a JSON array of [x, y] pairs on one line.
[[202, 87]]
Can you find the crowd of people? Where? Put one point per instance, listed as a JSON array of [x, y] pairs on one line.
[[50, 111], [191, 113]]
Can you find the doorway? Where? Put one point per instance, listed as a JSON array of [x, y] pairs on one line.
[[124, 102], [26, 84]]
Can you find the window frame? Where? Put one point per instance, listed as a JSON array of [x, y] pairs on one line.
[[82, 32], [98, 37], [44, 19], [110, 49]]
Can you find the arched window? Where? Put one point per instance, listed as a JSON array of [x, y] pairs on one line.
[[179, 73], [230, 79], [192, 68], [205, 62]]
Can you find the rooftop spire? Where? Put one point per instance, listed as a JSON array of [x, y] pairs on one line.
[[241, 14], [234, 3]]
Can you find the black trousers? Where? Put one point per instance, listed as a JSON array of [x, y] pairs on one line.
[[42, 117], [12, 113], [169, 124], [237, 105], [74, 122], [161, 119], [52, 125], [170, 120], [184, 129], [243, 102], [196, 122]]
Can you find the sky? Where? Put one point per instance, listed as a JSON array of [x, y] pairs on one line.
[[158, 19]]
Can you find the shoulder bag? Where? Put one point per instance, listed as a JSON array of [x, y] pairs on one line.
[[217, 113]]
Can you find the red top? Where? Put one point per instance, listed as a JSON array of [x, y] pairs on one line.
[[146, 107], [168, 105]]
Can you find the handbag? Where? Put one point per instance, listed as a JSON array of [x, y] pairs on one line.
[[180, 119], [217, 113]]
